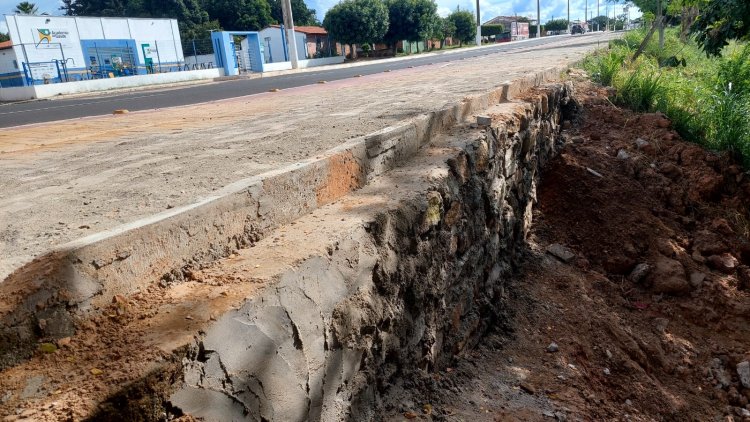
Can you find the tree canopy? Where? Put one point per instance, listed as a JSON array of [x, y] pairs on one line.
[[357, 21], [4, 37], [490, 30], [557, 25], [466, 28], [26, 8], [721, 21], [301, 13], [411, 20]]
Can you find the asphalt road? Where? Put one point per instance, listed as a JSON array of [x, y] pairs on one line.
[[16, 114]]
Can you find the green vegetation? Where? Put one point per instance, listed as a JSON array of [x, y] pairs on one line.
[[707, 97], [466, 29], [26, 8], [4, 37], [490, 30], [357, 21], [557, 25]]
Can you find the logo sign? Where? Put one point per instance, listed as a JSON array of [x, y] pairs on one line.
[[51, 38]]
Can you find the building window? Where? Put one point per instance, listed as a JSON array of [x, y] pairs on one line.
[[15, 64]]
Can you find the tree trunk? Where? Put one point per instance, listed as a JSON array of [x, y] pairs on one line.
[[646, 39], [353, 47]]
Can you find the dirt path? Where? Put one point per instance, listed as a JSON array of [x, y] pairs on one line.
[[595, 339], [66, 180]]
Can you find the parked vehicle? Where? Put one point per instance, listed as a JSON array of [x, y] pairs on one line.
[[577, 29]]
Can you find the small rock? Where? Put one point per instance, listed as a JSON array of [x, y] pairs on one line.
[[725, 263], [669, 277], [697, 257], [743, 371], [622, 155], [628, 402], [641, 143], [607, 371], [719, 373], [561, 252], [608, 353], [696, 279], [639, 272], [560, 416], [661, 325], [96, 371], [527, 388], [63, 342], [484, 120], [552, 348]]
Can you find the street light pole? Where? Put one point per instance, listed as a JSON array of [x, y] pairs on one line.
[[286, 11], [568, 15], [538, 21], [479, 27]]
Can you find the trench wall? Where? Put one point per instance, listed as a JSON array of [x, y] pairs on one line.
[[68, 282], [413, 286]]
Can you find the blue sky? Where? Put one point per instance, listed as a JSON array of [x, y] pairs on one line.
[[489, 8]]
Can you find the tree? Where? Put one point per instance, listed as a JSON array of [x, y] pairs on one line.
[[357, 22], [70, 7], [721, 21], [490, 30], [300, 12], [400, 22], [557, 25], [411, 20], [599, 23], [442, 29], [4, 37], [26, 8], [465, 27], [240, 15]]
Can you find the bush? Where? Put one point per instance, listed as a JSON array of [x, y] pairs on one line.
[[708, 100], [640, 90]]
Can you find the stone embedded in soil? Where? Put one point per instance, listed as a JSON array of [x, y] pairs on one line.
[[553, 347], [709, 243], [696, 279], [639, 272], [560, 252], [743, 371], [622, 155], [669, 277], [642, 144], [725, 263]]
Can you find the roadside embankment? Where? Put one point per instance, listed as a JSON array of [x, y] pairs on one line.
[[387, 254]]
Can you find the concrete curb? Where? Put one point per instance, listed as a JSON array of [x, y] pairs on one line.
[[90, 271]]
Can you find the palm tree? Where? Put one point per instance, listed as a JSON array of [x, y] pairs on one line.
[[26, 8]]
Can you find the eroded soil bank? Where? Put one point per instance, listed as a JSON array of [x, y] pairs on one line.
[[647, 321]]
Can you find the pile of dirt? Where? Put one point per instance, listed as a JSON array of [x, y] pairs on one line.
[[646, 319]]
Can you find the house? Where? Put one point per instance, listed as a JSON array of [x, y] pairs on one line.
[[515, 27], [312, 42]]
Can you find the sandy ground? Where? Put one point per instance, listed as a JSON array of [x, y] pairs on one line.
[[66, 180]]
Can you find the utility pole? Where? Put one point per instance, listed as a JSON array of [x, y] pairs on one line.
[[586, 12], [597, 15], [568, 16], [479, 27], [538, 21], [286, 11]]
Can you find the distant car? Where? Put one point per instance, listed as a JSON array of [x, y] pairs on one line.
[[577, 29]]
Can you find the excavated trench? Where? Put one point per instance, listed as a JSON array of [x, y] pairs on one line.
[[317, 318]]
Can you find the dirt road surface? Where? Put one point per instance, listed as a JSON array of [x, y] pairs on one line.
[[66, 180]]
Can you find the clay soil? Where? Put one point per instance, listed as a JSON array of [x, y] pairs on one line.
[[660, 343]]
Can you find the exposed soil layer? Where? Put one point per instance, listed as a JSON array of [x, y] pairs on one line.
[[649, 318]]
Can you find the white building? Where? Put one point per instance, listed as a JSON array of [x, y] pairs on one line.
[[46, 49]]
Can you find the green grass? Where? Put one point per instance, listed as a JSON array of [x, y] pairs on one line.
[[708, 99]]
